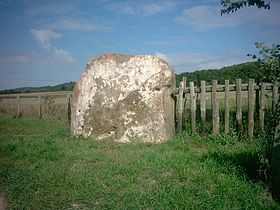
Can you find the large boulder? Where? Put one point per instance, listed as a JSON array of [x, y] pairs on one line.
[[125, 98]]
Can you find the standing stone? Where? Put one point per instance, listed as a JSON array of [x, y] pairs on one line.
[[125, 98]]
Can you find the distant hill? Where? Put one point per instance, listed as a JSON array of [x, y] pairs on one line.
[[243, 71], [62, 87]]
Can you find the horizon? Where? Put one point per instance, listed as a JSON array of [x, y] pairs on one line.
[[44, 44], [75, 81]]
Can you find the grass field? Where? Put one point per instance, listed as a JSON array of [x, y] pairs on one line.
[[42, 167]]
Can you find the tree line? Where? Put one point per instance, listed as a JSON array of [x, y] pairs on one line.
[[243, 71]]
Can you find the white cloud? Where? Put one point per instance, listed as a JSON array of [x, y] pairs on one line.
[[162, 56], [146, 9], [187, 62], [54, 8], [206, 17], [43, 37], [68, 23], [24, 57], [55, 56], [168, 42], [63, 55]]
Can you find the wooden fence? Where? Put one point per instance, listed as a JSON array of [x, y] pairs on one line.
[[253, 90], [39, 97], [191, 94]]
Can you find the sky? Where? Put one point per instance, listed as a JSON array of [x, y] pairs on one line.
[[50, 42]]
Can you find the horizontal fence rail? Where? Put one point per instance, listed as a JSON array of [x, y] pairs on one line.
[[40, 97], [221, 88], [256, 96]]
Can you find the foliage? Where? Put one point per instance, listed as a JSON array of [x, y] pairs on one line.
[[243, 71], [69, 86], [269, 60], [232, 6], [41, 167]]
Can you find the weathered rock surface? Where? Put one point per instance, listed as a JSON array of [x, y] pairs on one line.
[[125, 98]]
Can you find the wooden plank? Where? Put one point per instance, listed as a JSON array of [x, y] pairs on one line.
[[275, 96], [257, 100], [68, 108], [193, 107], [185, 82], [215, 109], [18, 106], [227, 106], [262, 102], [180, 107], [184, 95], [251, 106], [239, 106], [40, 106], [203, 106], [221, 88]]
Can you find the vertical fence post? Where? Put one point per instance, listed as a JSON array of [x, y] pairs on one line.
[[239, 106], [68, 108], [180, 107], [203, 106], [226, 106], [40, 106], [262, 105], [193, 107], [185, 82], [184, 97], [275, 96], [215, 109], [251, 105], [18, 106]]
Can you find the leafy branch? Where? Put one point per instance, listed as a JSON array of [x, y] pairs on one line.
[[229, 6]]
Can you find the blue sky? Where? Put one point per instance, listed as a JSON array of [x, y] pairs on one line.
[[49, 42]]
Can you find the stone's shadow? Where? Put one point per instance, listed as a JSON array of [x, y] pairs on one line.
[[246, 163]]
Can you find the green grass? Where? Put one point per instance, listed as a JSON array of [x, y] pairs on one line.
[[42, 167]]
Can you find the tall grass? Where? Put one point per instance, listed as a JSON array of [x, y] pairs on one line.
[[42, 167]]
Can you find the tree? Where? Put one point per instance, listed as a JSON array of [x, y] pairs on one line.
[[269, 59], [270, 62], [229, 6]]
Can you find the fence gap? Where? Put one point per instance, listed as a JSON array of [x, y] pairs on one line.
[[215, 109], [193, 107], [251, 106], [226, 106], [238, 106], [262, 105], [203, 106], [180, 107]]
